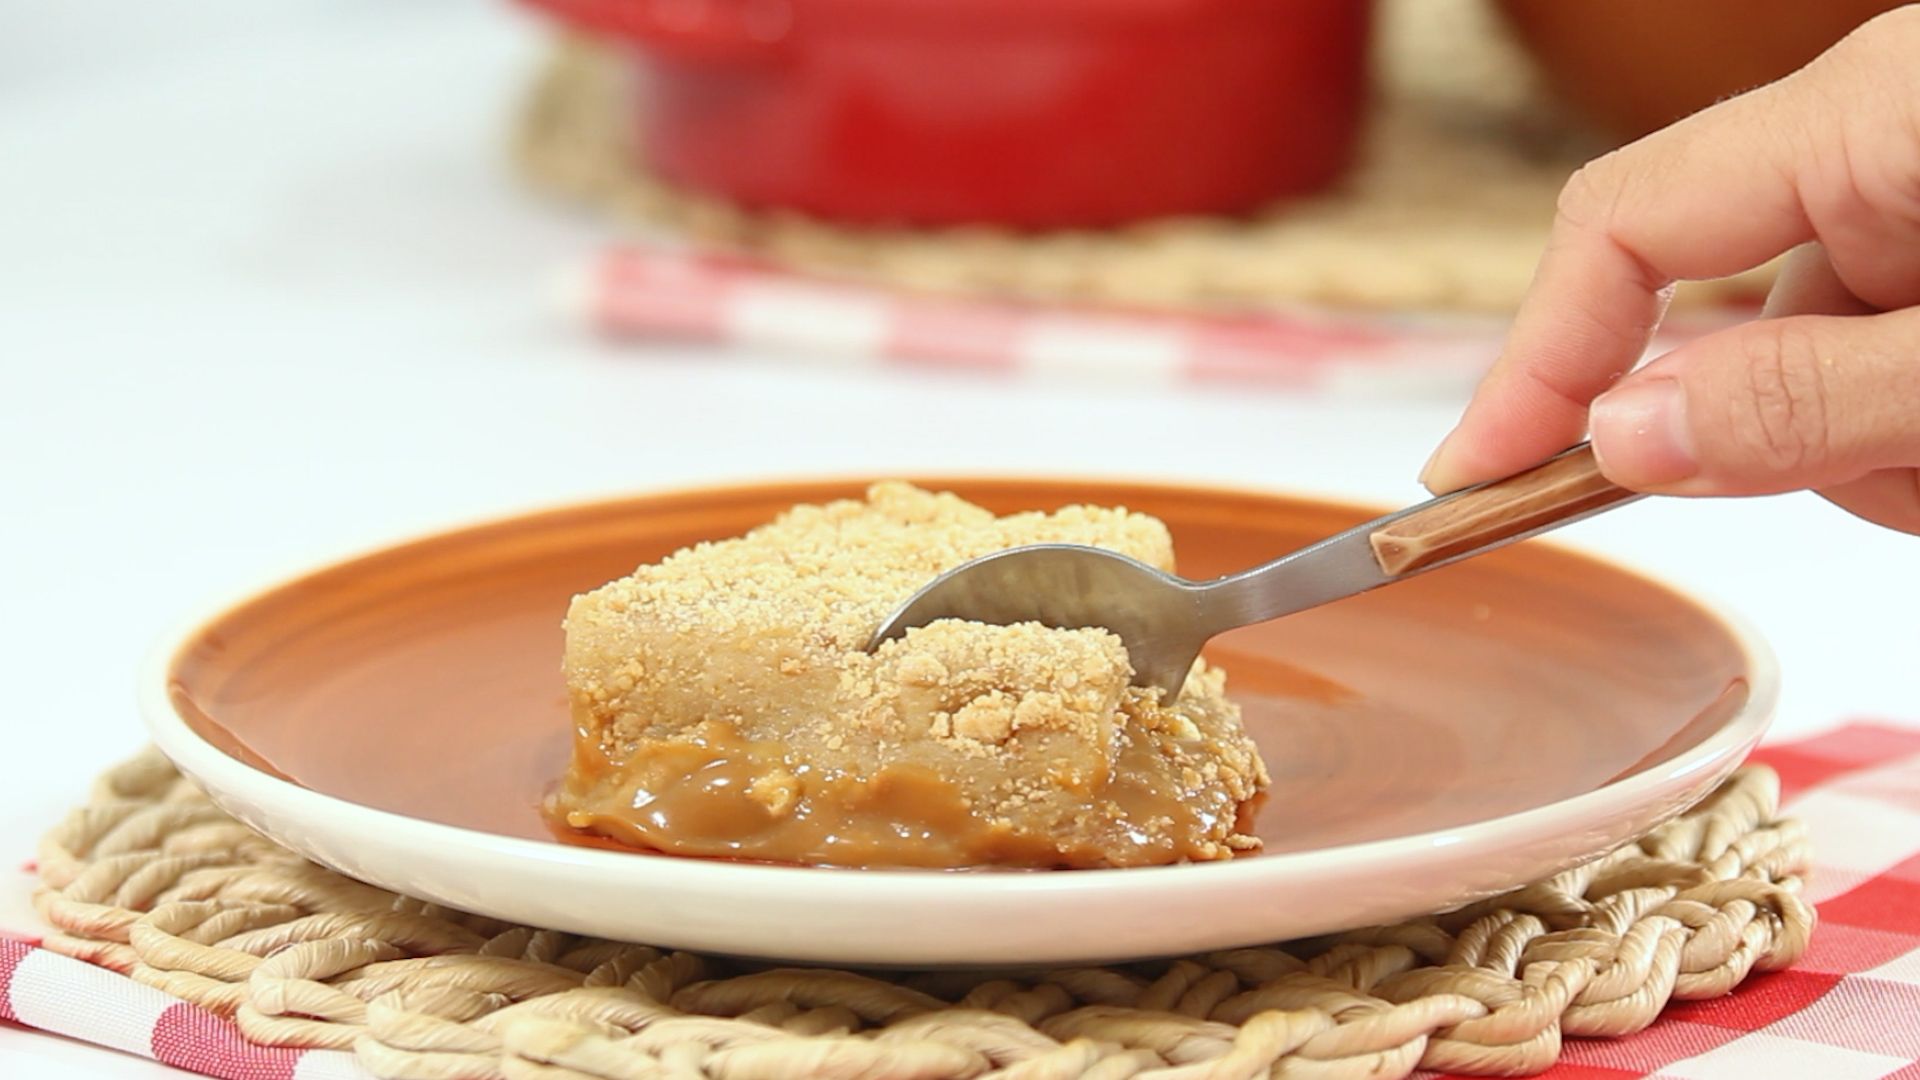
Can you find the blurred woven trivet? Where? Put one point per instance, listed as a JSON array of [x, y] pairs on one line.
[[150, 879], [1447, 210]]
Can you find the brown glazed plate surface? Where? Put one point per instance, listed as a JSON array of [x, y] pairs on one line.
[[400, 716]]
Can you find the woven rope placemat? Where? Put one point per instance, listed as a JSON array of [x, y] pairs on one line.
[[150, 879], [1447, 210]]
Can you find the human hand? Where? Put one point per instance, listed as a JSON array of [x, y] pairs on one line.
[[1821, 392]]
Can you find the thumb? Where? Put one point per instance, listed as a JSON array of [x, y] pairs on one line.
[[1768, 406]]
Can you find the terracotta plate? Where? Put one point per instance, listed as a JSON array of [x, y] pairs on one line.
[[398, 716]]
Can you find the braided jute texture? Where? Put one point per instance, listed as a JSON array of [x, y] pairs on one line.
[[1446, 211], [150, 879]]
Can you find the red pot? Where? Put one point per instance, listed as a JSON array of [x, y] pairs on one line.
[[1029, 113]]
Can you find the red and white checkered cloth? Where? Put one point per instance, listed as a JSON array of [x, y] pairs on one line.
[[676, 293], [1849, 1011]]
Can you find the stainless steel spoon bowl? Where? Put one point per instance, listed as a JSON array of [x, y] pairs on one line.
[[1164, 620]]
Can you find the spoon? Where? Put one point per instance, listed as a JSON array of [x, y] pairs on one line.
[[1163, 620]]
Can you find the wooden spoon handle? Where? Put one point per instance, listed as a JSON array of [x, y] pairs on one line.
[[1566, 487]]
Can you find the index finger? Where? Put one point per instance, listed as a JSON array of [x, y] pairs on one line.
[[1710, 196]]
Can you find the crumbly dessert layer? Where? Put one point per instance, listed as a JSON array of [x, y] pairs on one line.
[[724, 705]]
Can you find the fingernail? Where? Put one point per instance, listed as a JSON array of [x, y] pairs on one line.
[[1640, 433], [1433, 460]]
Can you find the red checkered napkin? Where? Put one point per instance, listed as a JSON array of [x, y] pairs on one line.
[[1849, 1011], [662, 292], [675, 293]]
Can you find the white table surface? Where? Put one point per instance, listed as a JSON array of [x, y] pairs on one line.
[[267, 294]]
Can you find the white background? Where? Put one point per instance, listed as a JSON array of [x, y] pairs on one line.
[[268, 294]]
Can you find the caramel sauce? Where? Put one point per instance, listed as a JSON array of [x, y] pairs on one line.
[[691, 799], [424, 679], [697, 798]]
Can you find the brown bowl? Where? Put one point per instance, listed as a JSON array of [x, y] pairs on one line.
[[1634, 66]]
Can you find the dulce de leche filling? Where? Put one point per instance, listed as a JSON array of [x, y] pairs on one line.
[[724, 706]]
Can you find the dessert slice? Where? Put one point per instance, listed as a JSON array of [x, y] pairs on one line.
[[724, 706]]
